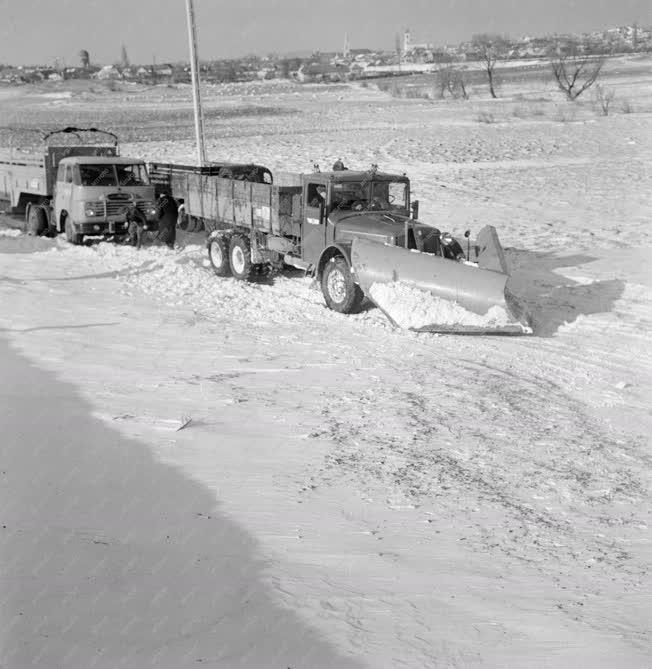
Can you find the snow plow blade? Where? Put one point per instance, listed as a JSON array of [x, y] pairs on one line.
[[427, 293]]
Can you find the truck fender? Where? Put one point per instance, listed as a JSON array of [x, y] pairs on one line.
[[333, 251], [219, 233]]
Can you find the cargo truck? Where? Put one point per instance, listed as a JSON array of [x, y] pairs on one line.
[[71, 185], [349, 229]]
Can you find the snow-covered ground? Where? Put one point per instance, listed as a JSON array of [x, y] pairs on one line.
[[345, 493]]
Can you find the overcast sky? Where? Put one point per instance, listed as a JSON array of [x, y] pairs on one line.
[[38, 31]]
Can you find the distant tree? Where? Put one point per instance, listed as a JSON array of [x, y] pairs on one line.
[[452, 80], [490, 48], [603, 97], [574, 71], [284, 69], [85, 59], [124, 59]]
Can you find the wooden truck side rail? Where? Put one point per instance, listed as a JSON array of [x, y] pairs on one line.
[[226, 203]]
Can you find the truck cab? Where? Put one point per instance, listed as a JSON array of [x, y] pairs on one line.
[[345, 205], [92, 194]]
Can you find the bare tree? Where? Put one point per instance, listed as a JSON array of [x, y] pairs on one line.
[[603, 98], [443, 78], [84, 58], [452, 80], [574, 72], [460, 82], [490, 48]]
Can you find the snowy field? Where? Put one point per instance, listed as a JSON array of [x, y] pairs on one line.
[[342, 493]]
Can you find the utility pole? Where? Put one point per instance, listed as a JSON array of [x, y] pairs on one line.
[[194, 69]]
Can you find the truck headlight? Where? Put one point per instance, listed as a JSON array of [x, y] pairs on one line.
[[89, 211], [152, 211]]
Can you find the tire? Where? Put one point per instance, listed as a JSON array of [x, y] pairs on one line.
[[341, 293], [37, 222], [240, 257], [194, 224], [72, 236], [182, 221], [218, 254]]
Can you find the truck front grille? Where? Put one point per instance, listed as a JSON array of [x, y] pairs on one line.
[[114, 208]]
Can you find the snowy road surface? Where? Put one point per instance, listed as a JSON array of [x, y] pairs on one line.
[[344, 495]]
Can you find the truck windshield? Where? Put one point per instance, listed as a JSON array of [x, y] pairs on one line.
[[132, 175], [388, 195], [97, 175], [376, 195], [114, 175]]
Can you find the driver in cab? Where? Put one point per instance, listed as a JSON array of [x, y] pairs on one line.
[[319, 198]]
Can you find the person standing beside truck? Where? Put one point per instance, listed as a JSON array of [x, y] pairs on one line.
[[168, 214], [136, 225]]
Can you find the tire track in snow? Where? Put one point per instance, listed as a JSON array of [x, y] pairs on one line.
[[512, 455]]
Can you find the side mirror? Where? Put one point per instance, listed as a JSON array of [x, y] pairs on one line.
[[415, 209]]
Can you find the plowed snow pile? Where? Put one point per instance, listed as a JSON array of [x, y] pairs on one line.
[[412, 308]]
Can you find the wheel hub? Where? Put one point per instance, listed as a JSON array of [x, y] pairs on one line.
[[336, 286], [238, 260]]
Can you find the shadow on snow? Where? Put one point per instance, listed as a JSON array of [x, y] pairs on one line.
[[112, 558]]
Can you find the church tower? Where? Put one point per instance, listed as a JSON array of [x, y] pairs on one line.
[[407, 38]]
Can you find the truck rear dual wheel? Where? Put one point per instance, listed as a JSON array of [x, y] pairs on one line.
[[71, 235], [218, 254], [340, 291], [37, 221], [240, 257]]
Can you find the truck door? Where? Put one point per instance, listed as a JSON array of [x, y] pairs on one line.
[[57, 192], [63, 194], [313, 233]]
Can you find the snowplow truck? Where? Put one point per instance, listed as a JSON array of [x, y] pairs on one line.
[[71, 185], [351, 230]]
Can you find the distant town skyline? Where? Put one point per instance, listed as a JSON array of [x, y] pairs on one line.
[[34, 31]]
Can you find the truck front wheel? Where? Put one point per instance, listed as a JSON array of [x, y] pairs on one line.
[[240, 257], [218, 254], [37, 222], [71, 235], [341, 293]]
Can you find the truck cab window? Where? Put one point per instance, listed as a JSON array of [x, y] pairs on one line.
[[350, 195], [61, 172], [97, 175], [68, 174], [316, 195]]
